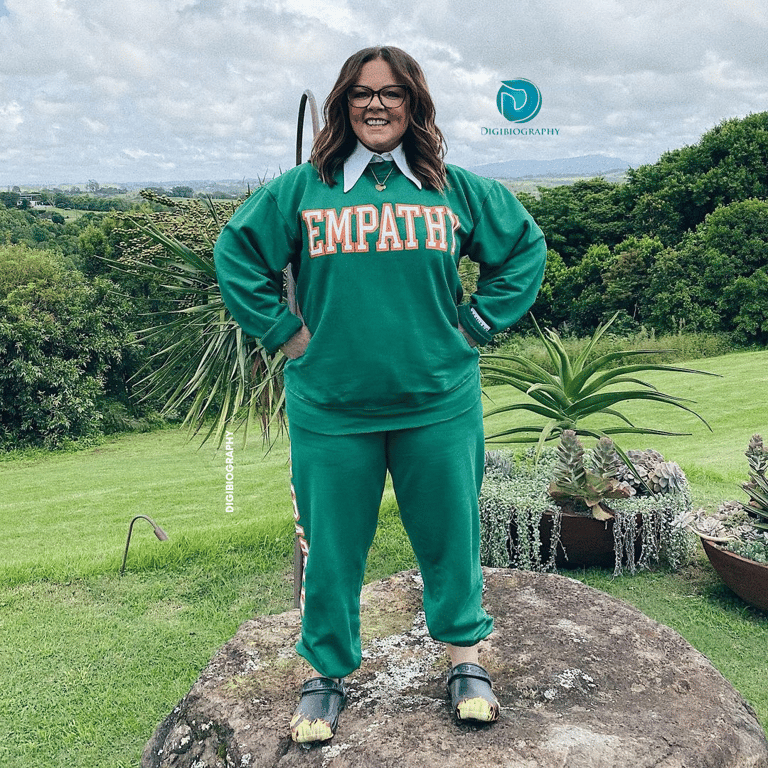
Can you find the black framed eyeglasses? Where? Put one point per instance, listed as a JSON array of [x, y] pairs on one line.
[[390, 96]]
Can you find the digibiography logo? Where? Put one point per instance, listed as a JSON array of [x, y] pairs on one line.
[[518, 100]]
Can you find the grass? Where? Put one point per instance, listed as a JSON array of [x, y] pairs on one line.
[[63, 513], [89, 666], [69, 214], [90, 662]]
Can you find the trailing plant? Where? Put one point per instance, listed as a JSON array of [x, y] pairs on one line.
[[206, 367], [514, 493], [577, 390], [520, 489]]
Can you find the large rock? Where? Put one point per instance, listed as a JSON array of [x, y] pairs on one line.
[[584, 680]]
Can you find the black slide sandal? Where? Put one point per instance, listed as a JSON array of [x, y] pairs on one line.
[[469, 686], [317, 715]]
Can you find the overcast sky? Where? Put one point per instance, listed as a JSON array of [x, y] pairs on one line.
[[173, 90]]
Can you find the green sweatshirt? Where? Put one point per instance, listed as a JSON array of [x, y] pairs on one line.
[[378, 287]]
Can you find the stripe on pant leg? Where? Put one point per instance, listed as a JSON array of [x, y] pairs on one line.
[[303, 543]]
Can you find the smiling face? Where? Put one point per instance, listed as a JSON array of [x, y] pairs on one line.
[[379, 128]]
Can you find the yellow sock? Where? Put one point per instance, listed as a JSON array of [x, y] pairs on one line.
[[303, 730], [477, 709]]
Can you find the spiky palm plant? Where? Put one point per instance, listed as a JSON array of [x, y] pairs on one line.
[[206, 367], [578, 389]]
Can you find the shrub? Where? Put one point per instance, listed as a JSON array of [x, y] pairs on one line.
[[59, 335], [204, 366]]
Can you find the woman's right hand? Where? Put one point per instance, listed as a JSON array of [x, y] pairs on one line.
[[296, 346]]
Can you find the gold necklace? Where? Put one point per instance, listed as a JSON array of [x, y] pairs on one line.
[[382, 185]]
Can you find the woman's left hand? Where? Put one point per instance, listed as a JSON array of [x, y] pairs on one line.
[[470, 340]]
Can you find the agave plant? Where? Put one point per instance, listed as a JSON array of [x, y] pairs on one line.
[[207, 368], [577, 390]]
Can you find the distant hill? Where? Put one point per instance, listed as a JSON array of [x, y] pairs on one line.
[[568, 168], [584, 166]]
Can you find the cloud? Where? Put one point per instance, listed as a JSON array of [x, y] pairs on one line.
[[189, 89]]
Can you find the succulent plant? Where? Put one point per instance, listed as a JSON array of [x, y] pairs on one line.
[[757, 486], [652, 473], [725, 525], [570, 459], [742, 526], [577, 389], [666, 477], [756, 455], [647, 457], [571, 479]]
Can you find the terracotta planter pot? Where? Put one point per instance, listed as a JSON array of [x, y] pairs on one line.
[[748, 579], [588, 542]]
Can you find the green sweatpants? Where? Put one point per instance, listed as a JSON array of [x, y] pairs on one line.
[[338, 482]]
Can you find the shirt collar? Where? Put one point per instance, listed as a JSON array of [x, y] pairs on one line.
[[358, 161]]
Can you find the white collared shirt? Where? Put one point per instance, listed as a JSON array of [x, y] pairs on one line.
[[358, 161]]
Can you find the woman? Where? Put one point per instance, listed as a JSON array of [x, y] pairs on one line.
[[382, 372]]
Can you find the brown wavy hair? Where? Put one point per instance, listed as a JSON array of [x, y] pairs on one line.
[[423, 143]]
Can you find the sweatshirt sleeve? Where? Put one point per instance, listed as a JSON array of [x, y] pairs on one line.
[[250, 255], [509, 247]]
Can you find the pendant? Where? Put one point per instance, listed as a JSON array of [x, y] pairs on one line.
[[381, 187]]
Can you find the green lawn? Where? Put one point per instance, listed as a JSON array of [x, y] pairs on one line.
[[90, 661], [65, 516]]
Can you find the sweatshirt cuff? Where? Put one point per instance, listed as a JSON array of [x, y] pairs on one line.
[[474, 325], [281, 331]]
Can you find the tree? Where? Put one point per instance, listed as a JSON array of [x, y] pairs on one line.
[[544, 307], [745, 302], [626, 275], [695, 284], [579, 302], [59, 337], [205, 365], [575, 217], [675, 194], [9, 199], [94, 247], [182, 192]]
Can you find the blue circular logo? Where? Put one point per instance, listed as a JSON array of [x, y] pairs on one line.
[[518, 100]]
